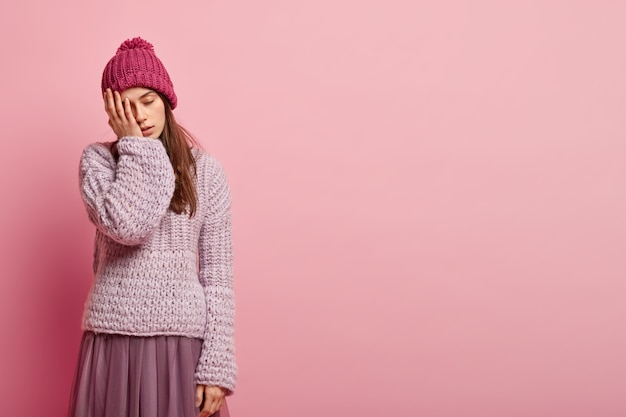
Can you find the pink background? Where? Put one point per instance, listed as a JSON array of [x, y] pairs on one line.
[[429, 197]]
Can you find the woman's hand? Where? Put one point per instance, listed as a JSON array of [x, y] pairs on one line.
[[211, 398], [121, 118]]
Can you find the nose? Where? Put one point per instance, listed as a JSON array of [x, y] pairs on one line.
[[140, 116]]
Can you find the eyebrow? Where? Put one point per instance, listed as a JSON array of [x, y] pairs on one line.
[[145, 94]]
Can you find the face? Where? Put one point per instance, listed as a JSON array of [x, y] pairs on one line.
[[148, 109]]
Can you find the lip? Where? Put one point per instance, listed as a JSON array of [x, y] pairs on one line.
[[146, 131]]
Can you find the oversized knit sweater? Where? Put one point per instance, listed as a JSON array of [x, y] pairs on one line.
[[158, 272]]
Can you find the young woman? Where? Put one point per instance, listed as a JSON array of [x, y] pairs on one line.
[[158, 321]]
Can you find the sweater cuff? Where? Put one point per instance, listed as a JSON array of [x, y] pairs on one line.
[[135, 145]]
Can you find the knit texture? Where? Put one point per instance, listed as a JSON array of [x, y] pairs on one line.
[[158, 272], [136, 65]]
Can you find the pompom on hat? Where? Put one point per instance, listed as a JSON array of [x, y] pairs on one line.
[[136, 65]]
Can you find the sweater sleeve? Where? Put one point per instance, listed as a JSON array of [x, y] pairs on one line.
[[217, 360], [127, 199]]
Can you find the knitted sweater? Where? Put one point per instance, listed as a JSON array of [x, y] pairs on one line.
[[158, 272]]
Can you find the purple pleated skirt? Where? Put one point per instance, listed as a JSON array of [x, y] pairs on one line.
[[128, 376]]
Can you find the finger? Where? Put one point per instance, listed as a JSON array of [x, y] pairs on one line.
[[205, 412], [110, 104], [214, 407], [212, 410], [109, 100], [199, 395], [210, 404], [207, 407], [119, 107], [105, 97], [220, 403], [129, 111]]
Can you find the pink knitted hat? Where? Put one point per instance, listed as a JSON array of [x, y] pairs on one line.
[[136, 65]]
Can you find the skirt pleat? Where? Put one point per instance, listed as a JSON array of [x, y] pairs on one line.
[[128, 376]]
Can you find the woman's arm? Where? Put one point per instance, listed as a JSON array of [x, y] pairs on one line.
[[217, 366], [127, 199]]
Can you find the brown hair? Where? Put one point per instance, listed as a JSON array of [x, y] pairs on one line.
[[177, 142]]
